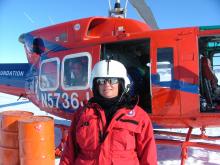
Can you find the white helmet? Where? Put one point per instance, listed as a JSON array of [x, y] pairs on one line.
[[109, 68]]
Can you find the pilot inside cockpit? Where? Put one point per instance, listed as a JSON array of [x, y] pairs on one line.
[[209, 75], [76, 74]]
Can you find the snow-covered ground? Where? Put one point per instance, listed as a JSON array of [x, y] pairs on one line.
[[170, 155], [167, 155]]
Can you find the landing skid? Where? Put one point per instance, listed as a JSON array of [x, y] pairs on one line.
[[184, 144]]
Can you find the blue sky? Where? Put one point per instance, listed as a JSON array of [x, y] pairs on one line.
[[20, 16]]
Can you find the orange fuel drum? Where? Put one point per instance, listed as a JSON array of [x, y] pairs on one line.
[[9, 150], [36, 140]]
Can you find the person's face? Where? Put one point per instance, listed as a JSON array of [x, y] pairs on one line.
[[108, 89], [77, 68]]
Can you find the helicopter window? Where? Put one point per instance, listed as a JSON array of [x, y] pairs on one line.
[[49, 74], [76, 70], [164, 64], [216, 66]]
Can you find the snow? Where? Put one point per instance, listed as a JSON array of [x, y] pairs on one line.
[[167, 155], [171, 155]]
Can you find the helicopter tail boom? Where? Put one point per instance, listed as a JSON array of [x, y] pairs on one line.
[[12, 78]]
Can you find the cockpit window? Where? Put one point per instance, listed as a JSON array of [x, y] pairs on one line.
[[76, 71], [49, 74]]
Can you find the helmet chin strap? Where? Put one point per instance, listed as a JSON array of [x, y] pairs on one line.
[[124, 92]]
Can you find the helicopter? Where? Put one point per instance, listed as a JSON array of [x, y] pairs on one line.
[[165, 65]]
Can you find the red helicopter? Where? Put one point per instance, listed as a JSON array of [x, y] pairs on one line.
[[174, 71]]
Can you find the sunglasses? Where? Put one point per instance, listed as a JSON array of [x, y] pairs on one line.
[[102, 81]]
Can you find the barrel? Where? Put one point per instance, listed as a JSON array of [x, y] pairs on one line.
[[9, 146], [36, 140]]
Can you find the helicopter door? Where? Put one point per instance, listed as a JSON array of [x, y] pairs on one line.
[[188, 69], [164, 60], [134, 55]]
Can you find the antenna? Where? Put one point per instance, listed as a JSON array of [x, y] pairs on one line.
[[117, 11]]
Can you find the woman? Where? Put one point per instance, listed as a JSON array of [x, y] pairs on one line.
[[111, 128]]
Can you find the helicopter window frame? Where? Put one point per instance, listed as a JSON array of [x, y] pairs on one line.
[[89, 65], [45, 78], [165, 61]]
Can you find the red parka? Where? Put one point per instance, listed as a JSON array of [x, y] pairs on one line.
[[128, 139]]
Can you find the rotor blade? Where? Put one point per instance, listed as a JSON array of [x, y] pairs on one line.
[[145, 12]]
